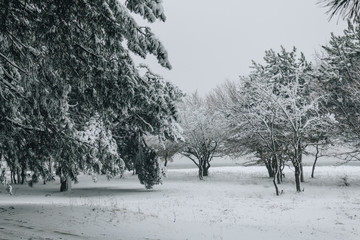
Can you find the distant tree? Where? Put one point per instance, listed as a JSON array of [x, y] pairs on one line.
[[165, 149], [64, 63], [204, 133]]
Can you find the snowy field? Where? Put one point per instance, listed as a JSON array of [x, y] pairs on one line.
[[235, 202]]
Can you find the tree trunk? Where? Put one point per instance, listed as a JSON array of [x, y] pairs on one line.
[[300, 152], [269, 168], [201, 169], [315, 161], [201, 173], [166, 160], [276, 176], [23, 175], [277, 169], [206, 168], [18, 175], [12, 176], [298, 177], [275, 184], [65, 184]]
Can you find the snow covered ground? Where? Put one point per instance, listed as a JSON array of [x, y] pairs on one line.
[[235, 202]]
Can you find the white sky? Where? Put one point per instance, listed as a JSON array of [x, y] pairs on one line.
[[209, 41]]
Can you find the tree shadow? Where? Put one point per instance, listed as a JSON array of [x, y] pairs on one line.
[[104, 191]]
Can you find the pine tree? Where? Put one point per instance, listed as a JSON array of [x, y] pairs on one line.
[[64, 63], [339, 78]]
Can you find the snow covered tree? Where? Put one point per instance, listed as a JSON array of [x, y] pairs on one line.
[[274, 113], [155, 113], [339, 76], [62, 63], [288, 82], [203, 132], [252, 124]]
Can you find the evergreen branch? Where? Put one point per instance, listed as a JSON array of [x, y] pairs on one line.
[[27, 128], [146, 123], [87, 50], [11, 86], [11, 63]]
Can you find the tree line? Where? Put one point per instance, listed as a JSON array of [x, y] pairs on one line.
[[72, 99], [282, 108]]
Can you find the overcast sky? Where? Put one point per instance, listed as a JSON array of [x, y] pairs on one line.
[[209, 41]]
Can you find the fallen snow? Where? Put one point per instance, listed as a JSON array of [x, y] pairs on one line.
[[232, 203]]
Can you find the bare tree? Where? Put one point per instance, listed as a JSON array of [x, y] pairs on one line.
[[204, 133]]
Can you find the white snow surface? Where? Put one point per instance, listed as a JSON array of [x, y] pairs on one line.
[[234, 202]]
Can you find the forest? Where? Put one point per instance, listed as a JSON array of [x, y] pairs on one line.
[[73, 100], [75, 104]]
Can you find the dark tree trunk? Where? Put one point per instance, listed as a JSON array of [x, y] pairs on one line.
[[166, 160], [65, 184], [206, 169], [205, 172], [203, 169], [276, 176], [315, 161], [300, 163], [269, 168], [18, 175], [298, 177], [297, 162], [277, 169], [275, 184], [12, 177], [23, 175]]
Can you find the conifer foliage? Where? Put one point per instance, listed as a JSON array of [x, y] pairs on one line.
[[64, 67], [347, 8], [339, 77]]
